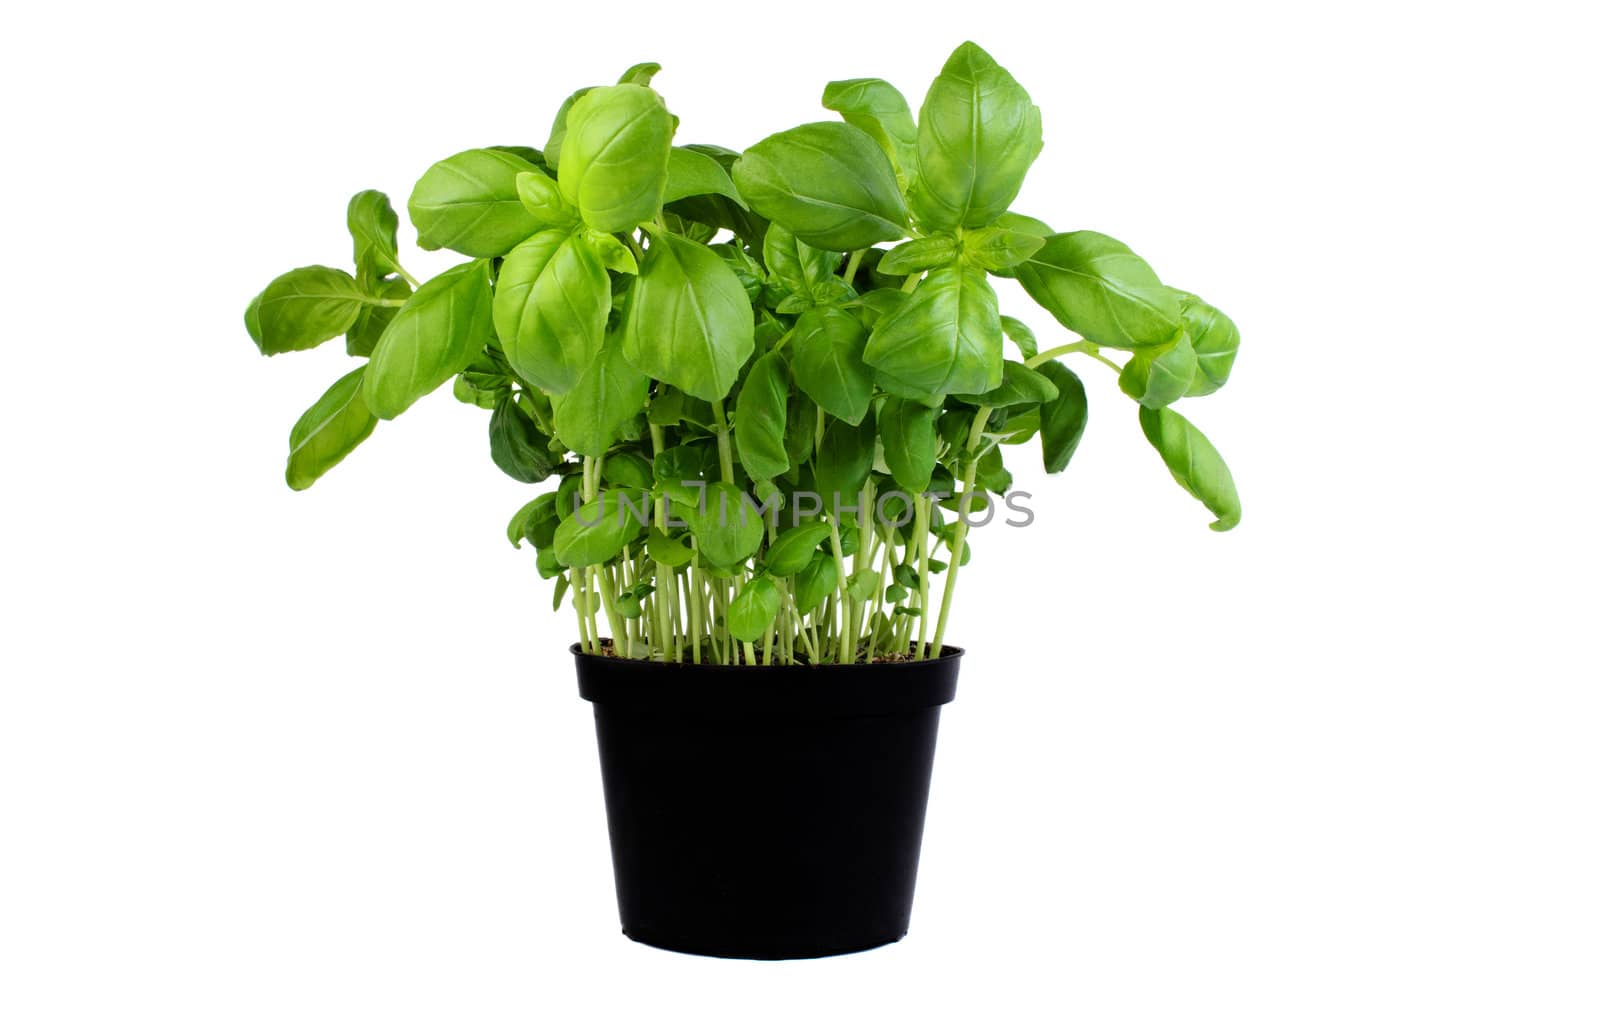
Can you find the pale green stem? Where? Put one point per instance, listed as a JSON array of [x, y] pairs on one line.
[[959, 546]]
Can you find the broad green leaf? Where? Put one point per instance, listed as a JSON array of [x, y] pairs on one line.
[[562, 584], [751, 277], [727, 528], [598, 530], [797, 268], [640, 73], [1018, 333], [688, 321], [976, 137], [794, 548], [611, 253], [540, 512], [759, 417], [1062, 420], [1194, 462], [754, 609], [1215, 339], [1159, 376], [516, 445], [910, 447], [1095, 286], [877, 107], [373, 223], [437, 333], [627, 469], [372, 320], [1019, 384], [829, 183], [558, 128], [844, 463], [920, 254], [668, 550], [998, 249], [815, 583], [548, 564], [800, 434], [304, 308], [945, 339], [826, 344], [690, 173], [550, 308], [862, 585], [541, 197], [609, 393], [329, 431], [614, 157], [468, 202]]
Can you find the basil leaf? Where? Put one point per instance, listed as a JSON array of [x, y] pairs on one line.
[[1194, 462], [794, 548], [827, 344], [754, 609], [613, 164], [800, 432], [999, 249], [336, 423], [1159, 377], [1095, 286], [843, 464], [1061, 421], [690, 173], [944, 339], [727, 528], [541, 198], [910, 447], [759, 416], [862, 585], [794, 266], [372, 320], [468, 202], [609, 393], [665, 549], [538, 513], [877, 107], [598, 530], [640, 73], [815, 583], [1019, 384], [516, 445], [304, 308], [550, 309], [1018, 333], [919, 254], [373, 225], [434, 335], [558, 128], [976, 137], [688, 321], [1215, 339], [829, 183]]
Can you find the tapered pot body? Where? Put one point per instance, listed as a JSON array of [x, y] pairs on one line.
[[766, 812]]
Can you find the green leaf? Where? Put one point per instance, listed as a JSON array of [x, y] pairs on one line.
[[1158, 377], [862, 585], [550, 309], [754, 609], [1215, 339], [668, 550], [437, 333], [999, 249], [562, 584], [827, 345], [558, 128], [628, 469], [877, 108], [329, 431], [688, 321], [304, 308], [844, 463], [1019, 384], [1095, 286], [640, 73], [613, 164], [690, 173], [540, 511], [829, 183], [919, 254], [1061, 421], [468, 202], [759, 417], [1194, 462], [609, 393], [800, 434], [910, 447], [1018, 333], [794, 266], [794, 548], [372, 320], [541, 197], [516, 445], [976, 137], [815, 583], [945, 339], [373, 224], [598, 530], [727, 528]]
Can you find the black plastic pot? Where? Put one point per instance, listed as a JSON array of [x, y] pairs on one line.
[[770, 813]]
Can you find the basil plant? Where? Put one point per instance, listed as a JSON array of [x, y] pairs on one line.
[[770, 390]]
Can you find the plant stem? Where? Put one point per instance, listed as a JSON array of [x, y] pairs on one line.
[[854, 264], [724, 445], [958, 548], [1080, 347], [408, 278]]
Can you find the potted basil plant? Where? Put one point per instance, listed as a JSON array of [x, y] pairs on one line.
[[770, 393]]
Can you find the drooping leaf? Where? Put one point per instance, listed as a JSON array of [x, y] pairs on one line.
[[1095, 286], [668, 550], [531, 517], [1216, 342], [614, 157], [372, 320], [829, 183], [818, 580], [468, 202], [598, 530], [827, 345], [759, 417], [1061, 421], [373, 224], [1194, 462], [688, 321], [516, 445], [1159, 376], [329, 431], [1018, 333], [1019, 384], [304, 308], [690, 173], [437, 333], [945, 339], [877, 107], [910, 447], [609, 393], [550, 308], [843, 464]]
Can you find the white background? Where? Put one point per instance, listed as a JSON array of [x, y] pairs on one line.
[[267, 749]]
